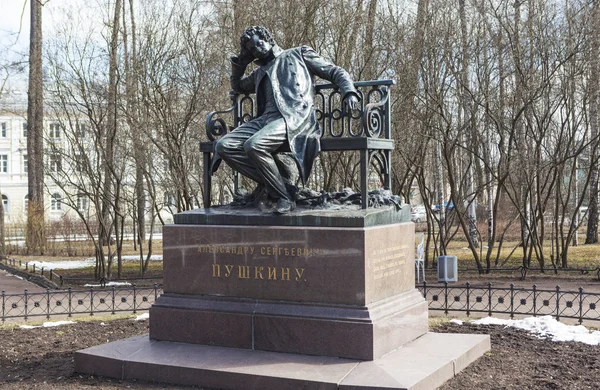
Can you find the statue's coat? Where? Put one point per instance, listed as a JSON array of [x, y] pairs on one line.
[[292, 74]]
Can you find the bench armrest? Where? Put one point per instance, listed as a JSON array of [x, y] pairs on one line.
[[216, 126], [373, 116]]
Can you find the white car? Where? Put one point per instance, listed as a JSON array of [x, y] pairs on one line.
[[418, 214]]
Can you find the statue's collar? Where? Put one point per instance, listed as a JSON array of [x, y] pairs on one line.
[[276, 53]]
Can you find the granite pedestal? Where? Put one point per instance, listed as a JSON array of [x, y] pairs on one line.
[[315, 288]]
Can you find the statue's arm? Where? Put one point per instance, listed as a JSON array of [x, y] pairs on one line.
[[328, 71], [239, 82]]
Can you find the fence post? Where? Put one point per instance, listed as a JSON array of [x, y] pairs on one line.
[[70, 294], [33, 268], [51, 273], [468, 300], [113, 299], [3, 305], [155, 291], [91, 301], [446, 297], [47, 303], [580, 305], [534, 300], [134, 299], [26, 304], [425, 291], [512, 301], [489, 299], [557, 303], [42, 271]]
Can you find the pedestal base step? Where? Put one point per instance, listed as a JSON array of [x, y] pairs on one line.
[[424, 363]]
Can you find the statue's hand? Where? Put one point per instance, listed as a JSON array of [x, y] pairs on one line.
[[242, 61], [352, 102], [245, 57]]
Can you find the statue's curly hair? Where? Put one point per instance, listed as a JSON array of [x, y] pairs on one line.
[[262, 33]]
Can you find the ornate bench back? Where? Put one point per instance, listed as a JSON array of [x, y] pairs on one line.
[[371, 120]]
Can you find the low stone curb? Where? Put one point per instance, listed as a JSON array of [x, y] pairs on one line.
[[33, 278]]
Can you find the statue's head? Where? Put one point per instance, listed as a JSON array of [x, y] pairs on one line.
[[259, 41]]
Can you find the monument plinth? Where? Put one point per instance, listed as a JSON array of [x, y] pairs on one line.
[[318, 290], [332, 298]]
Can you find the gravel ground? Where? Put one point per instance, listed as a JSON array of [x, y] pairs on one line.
[[43, 358]]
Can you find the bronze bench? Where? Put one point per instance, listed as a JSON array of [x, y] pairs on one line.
[[368, 130]]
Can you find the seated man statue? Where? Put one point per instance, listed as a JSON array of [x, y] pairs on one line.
[[284, 85]]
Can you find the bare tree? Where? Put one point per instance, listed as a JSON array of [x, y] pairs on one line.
[[35, 238], [594, 91]]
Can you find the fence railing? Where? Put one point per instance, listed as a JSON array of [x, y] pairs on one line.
[[70, 302], [523, 270], [467, 298], [486, 299], [60, 280]]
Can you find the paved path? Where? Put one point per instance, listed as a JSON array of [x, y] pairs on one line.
[[15, 285]]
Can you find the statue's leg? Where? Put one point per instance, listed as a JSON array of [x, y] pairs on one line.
[[260, 148], [231, 149], [287, 167]]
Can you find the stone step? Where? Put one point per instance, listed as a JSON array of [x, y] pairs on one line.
[[424, 363]]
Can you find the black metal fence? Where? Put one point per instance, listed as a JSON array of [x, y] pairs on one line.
[[468, 298], [69, 302], [486, 299], [60, 280]]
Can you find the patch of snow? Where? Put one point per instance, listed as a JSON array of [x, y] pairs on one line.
[[547, 327], [16, 276], [109, 284], [137, 257], [455, 321], [77, 264], [47, 324], [142, 317]]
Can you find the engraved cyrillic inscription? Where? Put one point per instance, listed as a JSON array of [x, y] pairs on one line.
[[258, 272], [388, 261]]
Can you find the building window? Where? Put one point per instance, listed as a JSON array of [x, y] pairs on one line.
[[56, 202], [25, 164], [24, 129], [80, 162], [82, 202], [3, 163], [169, 199], [5, 203], [55, 163], [55, 130], [81, 130], [3, 130]]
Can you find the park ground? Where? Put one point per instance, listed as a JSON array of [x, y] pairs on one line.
[[43, 358]]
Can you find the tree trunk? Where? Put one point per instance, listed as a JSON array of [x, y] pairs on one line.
[[111, 133], [466, 107], [35, 237], [594, 87], [369, 57]]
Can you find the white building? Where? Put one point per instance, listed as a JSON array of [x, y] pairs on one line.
[[13, 155], [13, 163]]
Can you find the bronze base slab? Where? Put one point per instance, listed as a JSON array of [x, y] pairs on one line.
[[424, 363], [292, 327]]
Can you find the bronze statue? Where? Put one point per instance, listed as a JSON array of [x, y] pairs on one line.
[[284, 87]]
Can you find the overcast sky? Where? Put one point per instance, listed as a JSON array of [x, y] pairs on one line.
[[15, 24], [10, 20]]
